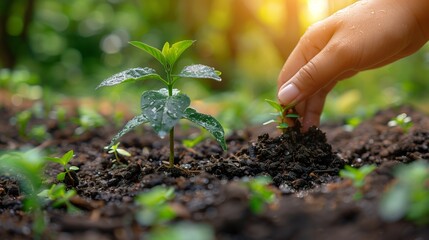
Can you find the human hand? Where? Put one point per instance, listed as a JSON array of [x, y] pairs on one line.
[[365, 35]]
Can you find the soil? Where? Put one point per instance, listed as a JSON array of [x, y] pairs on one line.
[[313, 202]]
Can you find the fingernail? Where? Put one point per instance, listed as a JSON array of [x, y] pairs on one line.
[[288, 94]]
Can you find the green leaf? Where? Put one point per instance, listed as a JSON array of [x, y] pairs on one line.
[[136, 121], [156, 53], [275, 105], [73, 168], [123, 152], [131, 75], [209, 123], [163, 111], [176, 50], [61, 176], [199, 71]]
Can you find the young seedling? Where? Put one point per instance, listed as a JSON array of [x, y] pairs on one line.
[[154, 207], [69, 174], [28, 168], [22, 119], [357, 176], [408, 197], [89, 119], [260, 194], [163, 109], [117, 151], [402, 120], [60, 197], [282, 114]]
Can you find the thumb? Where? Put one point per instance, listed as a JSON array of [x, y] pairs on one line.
[[314, 75]]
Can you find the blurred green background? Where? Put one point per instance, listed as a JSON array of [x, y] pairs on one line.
[[56, 50]]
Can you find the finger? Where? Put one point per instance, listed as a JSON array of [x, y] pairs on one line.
[[316, 74]]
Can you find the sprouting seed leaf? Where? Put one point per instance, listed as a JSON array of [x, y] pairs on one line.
[[209, 123], [123, 152], [283, 125], [163, 111], [64, 160], [165, 49], [156, 53], [136, 121], [131, 75], [73, 168], [199, 71]]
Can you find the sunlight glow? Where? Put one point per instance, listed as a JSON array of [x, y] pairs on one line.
[[317, 9]]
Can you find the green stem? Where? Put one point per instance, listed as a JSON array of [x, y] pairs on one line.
[[170, 93]]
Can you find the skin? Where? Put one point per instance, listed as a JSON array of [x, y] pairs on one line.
[[362, 36]]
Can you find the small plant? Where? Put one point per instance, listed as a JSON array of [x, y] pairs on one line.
[[68, 175], [352, 123], [60, 197], [282, 114], [357, 176], [165, 107], [117, 151], [260, 193], [27, 168], [89, 119], [21, 120], [183, 231], [402, 120], [408, 197], [193, 141], [154, 207]]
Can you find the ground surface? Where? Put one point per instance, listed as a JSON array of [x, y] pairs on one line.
[[313, 202]]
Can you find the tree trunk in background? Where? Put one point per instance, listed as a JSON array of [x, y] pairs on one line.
[[7, 59]]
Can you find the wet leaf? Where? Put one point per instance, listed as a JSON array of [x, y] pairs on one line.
[[130, 75], [136, 121], [163, 111], [199, 71], [209, 123], [156, 53]]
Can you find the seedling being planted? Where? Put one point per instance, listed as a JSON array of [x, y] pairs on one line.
[[117, 152], [402, 120], [357, 176], [163, 108], [282, 114], [69, 174]]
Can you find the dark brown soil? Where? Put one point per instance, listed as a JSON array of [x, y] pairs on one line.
[[313, 202]]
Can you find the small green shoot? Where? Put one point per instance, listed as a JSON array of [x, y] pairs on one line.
[[192, 142], [164, 108], [357, 176], [60, 197], [154, 207], [183, 231], [352, 123], [408, 197], [28, 168], [69, 171], [117, 152], [22, 119], [282, 114], [402, 120], [89, 119], [260, 193]]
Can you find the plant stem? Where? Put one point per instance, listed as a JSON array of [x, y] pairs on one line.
[[170, 93], [172, 148]]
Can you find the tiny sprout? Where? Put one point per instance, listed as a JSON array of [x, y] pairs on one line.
[[164, 108], [154, 207], [22, 119], [260, 193], [357, 175], [68, 175], [402, 120], [60, 197], [281, 115], [117, 151], [408, 197]]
